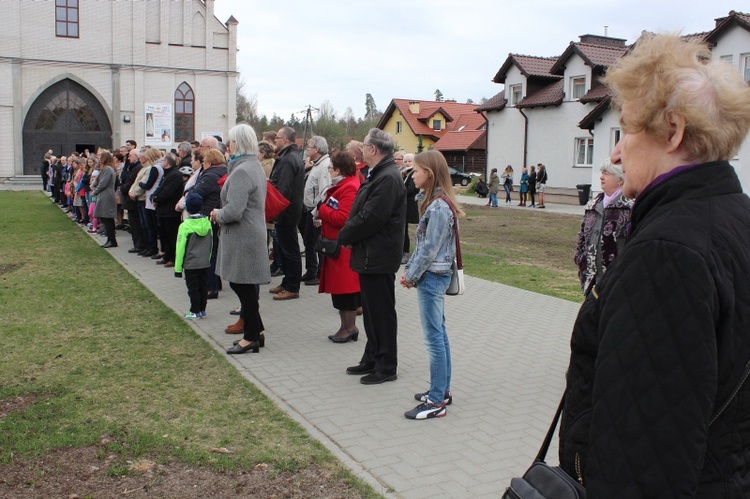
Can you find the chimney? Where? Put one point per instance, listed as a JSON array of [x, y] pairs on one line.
[[414, 107], [602, 40]]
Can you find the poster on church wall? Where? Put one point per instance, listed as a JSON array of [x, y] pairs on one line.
[[159, 125]]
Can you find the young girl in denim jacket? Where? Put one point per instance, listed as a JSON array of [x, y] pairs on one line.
[[429, 270]]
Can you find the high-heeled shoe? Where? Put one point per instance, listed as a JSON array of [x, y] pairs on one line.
[[253, 346], [344, 339], [261, 341]]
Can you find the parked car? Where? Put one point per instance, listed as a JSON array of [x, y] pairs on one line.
[[458, 177]]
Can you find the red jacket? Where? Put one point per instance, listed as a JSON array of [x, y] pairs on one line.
[[336, 277]]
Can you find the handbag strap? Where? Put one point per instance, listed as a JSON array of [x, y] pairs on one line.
[[548, 439], [459, 261]]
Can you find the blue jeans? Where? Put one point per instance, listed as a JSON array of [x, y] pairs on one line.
[[431, 290], [493, 199]]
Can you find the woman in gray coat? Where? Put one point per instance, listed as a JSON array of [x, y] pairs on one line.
[[243, 255], [106, 205]]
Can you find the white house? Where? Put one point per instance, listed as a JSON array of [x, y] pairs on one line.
[[555, 111], [90, 73]]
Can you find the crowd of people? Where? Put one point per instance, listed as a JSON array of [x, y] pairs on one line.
[[200, 210]]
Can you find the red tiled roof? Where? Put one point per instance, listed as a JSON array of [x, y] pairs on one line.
[[593, 55], [596, 94], [496, 103], [551, 95], [724, 23], [461, 141], [529, 66], [588, 122], [456, 114]]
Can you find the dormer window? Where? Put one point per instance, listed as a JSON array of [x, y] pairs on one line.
[[437, 125], [577, 87], [515, 94]]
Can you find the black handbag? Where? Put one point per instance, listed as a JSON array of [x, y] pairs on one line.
[[542, 481], [327, 247]]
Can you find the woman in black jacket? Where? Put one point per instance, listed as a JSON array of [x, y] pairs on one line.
[[165, 198], [657, 403]]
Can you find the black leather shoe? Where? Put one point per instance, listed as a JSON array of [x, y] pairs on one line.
[[156, 256], [361, 369], [109, 244], [312, 282], [253, 346], [148, 253], [307, 276], [377, 378], [262, 341], [212, 295], [134, 250]]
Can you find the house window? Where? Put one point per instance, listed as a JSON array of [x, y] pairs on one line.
[[184, 113], [616, 135], [746, 66], [516, 94], [577, 87], [584, 151], [66, 18], [399, 127], [437, 125]]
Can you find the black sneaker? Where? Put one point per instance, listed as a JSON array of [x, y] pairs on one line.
[[428, 410], [422, 397]]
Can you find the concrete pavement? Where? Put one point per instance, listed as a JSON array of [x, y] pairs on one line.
[[509, 349]]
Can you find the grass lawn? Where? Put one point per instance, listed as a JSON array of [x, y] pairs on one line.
[[91, 358], [527, 249]]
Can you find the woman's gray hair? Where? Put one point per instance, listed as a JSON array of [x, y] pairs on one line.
[[608, 167], [244, 138], [408, 156]]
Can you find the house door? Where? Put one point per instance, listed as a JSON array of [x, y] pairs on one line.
[[62, 117]]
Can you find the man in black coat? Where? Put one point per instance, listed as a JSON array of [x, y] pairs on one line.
[[657, 403], [165, 197], [136, 231], [375, 232], [288, 176]]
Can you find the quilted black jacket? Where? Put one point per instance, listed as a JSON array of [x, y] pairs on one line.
[[661, 344]]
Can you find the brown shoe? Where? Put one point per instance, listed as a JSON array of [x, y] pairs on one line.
[[236, 328], [278, 289], [286, 295], [359, 311]]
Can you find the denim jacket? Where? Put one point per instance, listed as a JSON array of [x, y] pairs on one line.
[[435, 245]]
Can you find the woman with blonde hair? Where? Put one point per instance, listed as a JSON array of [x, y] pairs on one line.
[[429, 270], [106, 205]]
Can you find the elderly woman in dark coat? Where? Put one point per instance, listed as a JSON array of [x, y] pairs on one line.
[[106, 205], [604, 227], [243, 255]]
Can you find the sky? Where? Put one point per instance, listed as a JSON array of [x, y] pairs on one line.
[[298, 53]]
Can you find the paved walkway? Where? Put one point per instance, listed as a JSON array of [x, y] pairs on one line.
[[510, 351]]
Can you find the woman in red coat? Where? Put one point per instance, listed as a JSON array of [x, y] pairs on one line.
[[336, 277]]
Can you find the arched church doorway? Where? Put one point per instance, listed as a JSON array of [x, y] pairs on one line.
[[64, 118]]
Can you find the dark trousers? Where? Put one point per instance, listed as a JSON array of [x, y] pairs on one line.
[[248, 295], [196, 281], [291, 261], [109, 227], [407, 242], [148, 226], [381, 325], [169, 227], [214, 281], [310, 235], [531, 195], [136, 232]]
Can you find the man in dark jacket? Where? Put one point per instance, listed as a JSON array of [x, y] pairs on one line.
[[375, 231], [288, 176], [136, 231], [165, 198], [656, 403]]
